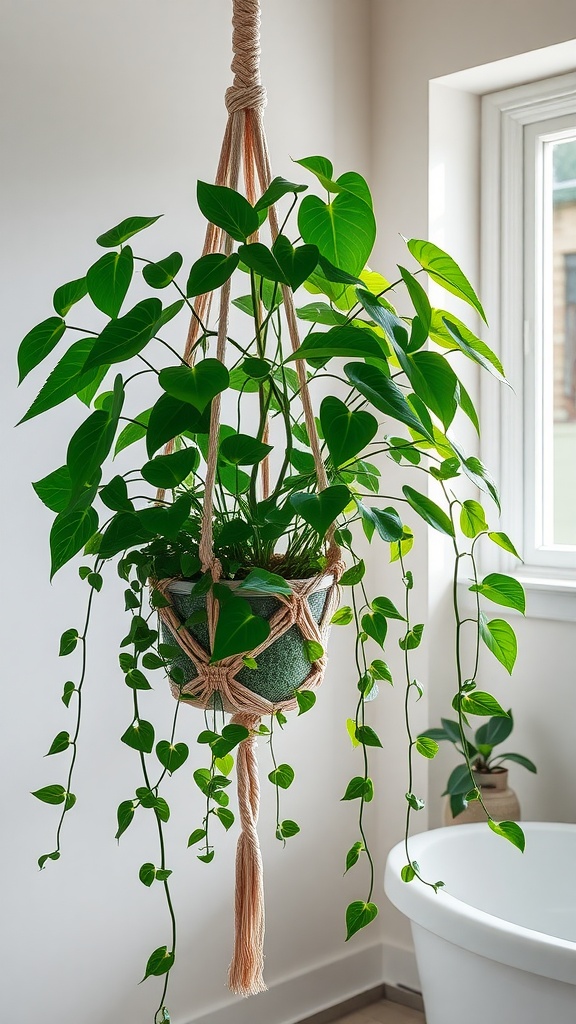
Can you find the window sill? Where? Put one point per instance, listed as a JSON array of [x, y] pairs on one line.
[[547, 597]]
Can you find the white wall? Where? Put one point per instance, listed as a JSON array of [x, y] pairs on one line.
[[110, 109], [413, 44]]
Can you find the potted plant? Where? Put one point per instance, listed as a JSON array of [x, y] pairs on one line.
[[243, 497], [489, 776]]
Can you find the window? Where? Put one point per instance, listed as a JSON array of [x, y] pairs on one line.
[[529, 282]]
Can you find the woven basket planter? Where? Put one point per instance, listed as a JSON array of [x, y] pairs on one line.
[[282, 667]]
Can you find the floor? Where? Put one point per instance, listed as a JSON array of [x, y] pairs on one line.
[[384, 1012]]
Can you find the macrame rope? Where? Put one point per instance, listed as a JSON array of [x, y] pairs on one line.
[[244, 144]]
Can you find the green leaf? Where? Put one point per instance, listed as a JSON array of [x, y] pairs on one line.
[[206, 858], [132, 432], [124, 530], [108, 280], [243, 450], [504, 590], [321, 313], [347, 433], [380, 670], [225, 816], [169, 418], [67, 295], [342, 617], [435, 382], [503, 541], [139, 736], [306, 700], [500, 638], [340, 343], [147, 874], [322, 168], [509, 830], [135, 679], [385, 607], [413, 638], [407, 873], [415, 802], [344, 230], [367, 736], [426, 746], [115, 495], [359, 915], [69, 534], [351, 181], [449, 332], [351, 730], [428, 510], [125, 816], [51, 794], [68, 642], [39, 343], [282, 776], [494, 731], [459, 781], [480, 703], [69, 689], [296, 264], [262, 261], [171, 755], [238, 630], [445, 272], [168, 314], [358, 788], [286, 829], [55, 489], [126, 337], [210, 272], [353, 575], [123, 231], [161, 274], [386, 521], [384, 395], [60, 743], [197, 384], [313, 650], [260, 581], [418, 297], [197, 836], [321, 509], [228, 210], [159, 962], [353, 855], [48, 856], [224, 764], [376, 626], [472, 519], [167, 471], [277, 188], [525, 762]]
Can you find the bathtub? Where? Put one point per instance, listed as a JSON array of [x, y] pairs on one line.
[[498, 944]]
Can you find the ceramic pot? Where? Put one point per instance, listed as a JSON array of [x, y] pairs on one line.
[[500, 800], [283, 666]]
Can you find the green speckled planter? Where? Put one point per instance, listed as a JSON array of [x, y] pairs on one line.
[[282, 667]]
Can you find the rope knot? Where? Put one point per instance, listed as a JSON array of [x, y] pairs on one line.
[[215, 677], [239, 97]]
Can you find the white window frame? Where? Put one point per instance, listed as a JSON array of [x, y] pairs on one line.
[[512, 122]]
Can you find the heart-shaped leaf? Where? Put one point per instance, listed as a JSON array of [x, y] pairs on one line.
[[210, 272], [509, 830], [277, 188], [385, 521], [445, 271], [38, 344], [346, 432], [161, 274], [171, 755], [296, 264], [257, 257], [108, 280], [344, 230], [430, 512], [170, 470], [340, 342], [243, 450], [197, 384], [320, 510], [260, 581], [358, 915], [500, 638], [238, 630], [67, 295], [228, 210], [170, 417], [504, 590]]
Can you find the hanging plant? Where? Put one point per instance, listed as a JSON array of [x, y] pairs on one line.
[[245, 503]]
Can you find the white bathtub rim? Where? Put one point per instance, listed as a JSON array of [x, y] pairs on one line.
[[476, 930]]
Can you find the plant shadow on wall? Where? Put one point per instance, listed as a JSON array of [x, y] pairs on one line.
[[232, 533]]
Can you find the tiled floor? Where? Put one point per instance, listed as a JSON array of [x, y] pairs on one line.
[[385, 1012]]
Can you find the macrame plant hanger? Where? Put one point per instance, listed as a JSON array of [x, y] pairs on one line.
[[245, 146]]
